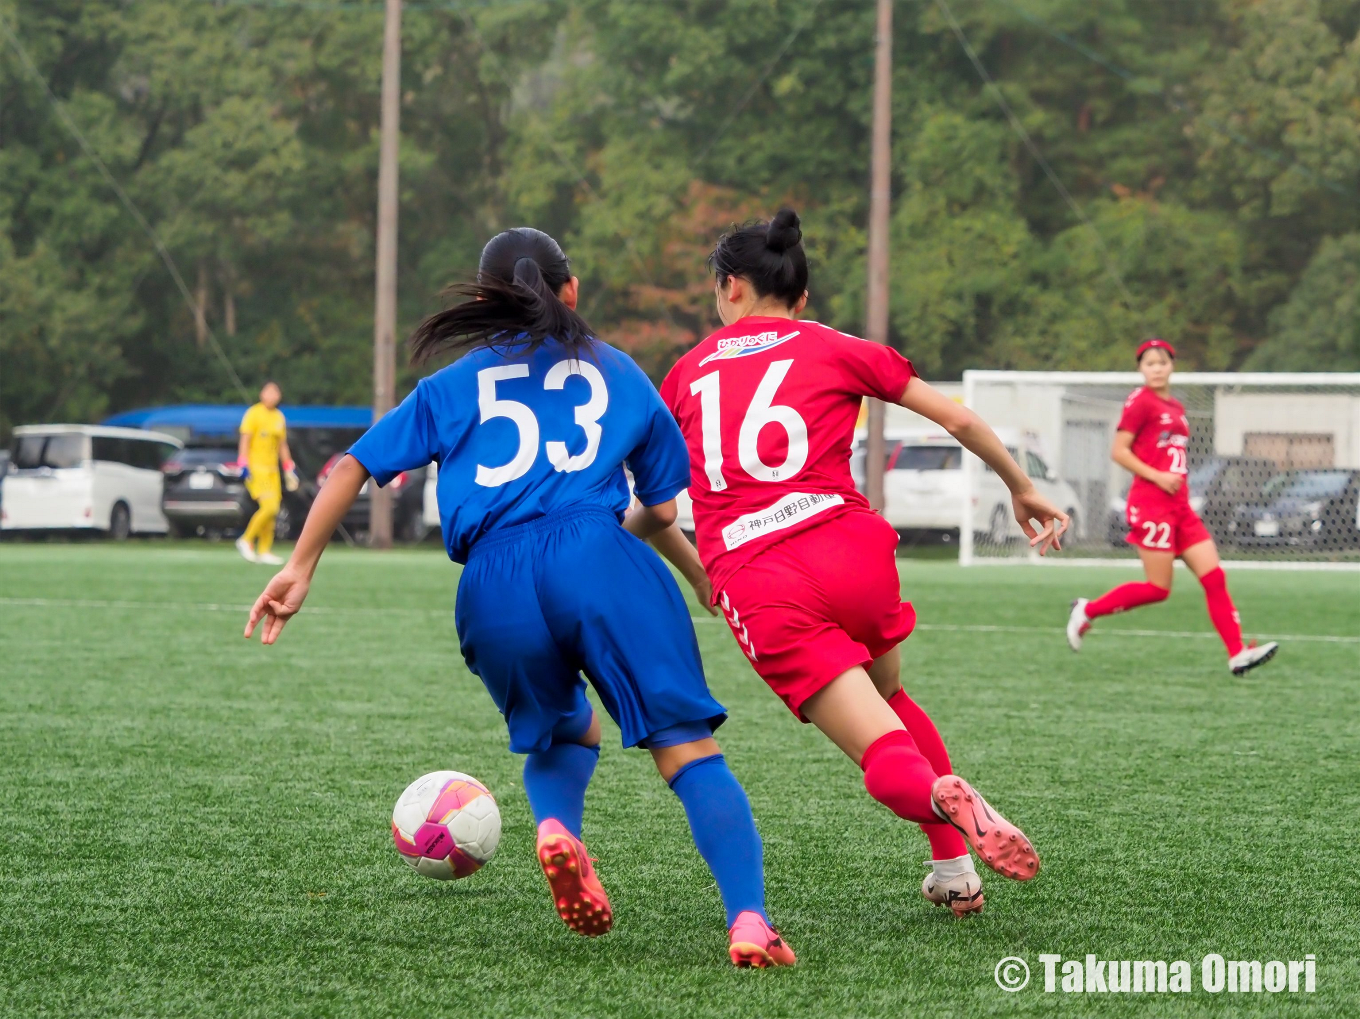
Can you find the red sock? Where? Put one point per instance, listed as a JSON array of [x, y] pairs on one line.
[[899, 777], [1221, 609], [945, 841], [1125, 596]]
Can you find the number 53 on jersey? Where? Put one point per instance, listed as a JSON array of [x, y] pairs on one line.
[[588, 417]]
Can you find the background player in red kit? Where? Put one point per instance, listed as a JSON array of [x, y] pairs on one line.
[[803, 570], [1153, 442]]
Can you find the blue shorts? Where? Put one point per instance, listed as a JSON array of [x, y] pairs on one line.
[[543, 602]]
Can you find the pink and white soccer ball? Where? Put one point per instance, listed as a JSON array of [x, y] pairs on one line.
[[446, 825]]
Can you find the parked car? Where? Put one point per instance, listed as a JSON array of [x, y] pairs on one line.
[[408, 511], [4, 469], [1319, 508], [923, 485], [1218, 486], [430, 501], [86, 478], [205, 496]]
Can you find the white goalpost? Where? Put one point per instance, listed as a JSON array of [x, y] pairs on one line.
[[1274, 463]]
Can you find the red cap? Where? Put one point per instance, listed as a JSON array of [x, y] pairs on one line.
[[1147, 345]]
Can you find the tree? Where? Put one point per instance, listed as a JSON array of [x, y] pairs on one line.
[[1211, 150], [1318, 328]]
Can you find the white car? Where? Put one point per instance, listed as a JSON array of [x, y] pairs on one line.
[[429, 502], [86, 477], [923, 485]]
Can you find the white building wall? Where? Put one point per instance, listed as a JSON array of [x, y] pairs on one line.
[[900, 419], [1033, 408], [1335, 414]]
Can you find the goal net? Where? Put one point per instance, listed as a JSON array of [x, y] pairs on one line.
[[1273, 461]]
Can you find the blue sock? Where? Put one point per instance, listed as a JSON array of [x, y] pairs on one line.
[[724, 832], [556, 781]]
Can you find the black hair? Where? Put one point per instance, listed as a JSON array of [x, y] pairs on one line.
[[513, 303], [769, 256]]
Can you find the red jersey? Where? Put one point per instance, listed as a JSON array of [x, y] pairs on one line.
[[768, 408], [1161, 435]]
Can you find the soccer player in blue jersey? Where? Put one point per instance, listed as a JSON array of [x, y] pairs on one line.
[[531, 428]]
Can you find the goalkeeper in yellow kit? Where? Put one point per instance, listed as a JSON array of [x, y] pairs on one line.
[[264, 443]]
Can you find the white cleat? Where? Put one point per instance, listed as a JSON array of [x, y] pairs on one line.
[[1250, 657], [247, 551], [954, 883], [268, 558], [1077, 624]]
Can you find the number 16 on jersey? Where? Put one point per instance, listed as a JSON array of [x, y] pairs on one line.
[[761, 412]]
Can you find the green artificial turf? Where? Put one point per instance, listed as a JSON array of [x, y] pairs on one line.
[[191, 824]]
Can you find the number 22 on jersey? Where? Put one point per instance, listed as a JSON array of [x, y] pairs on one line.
[[588, 417], [761, 412]]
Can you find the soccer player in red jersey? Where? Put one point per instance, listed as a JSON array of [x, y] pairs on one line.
[[1152, 442], [804, 572]]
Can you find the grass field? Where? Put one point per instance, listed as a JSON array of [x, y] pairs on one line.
[[195, 825]]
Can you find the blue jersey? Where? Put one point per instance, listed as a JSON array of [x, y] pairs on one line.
[[523, 436]]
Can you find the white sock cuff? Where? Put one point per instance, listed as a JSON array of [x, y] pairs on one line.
[[946, 869]]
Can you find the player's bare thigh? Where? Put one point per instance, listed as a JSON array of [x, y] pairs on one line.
[[852, 712], [1201, 557], [886, 672], [1158, 566]]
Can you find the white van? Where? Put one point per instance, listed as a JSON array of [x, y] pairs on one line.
[[86, 477]]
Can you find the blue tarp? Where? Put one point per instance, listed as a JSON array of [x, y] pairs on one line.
[[224, 419]]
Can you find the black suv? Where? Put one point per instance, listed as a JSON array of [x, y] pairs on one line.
[[1219, 486], [204, 495], [408, 503], [1317, 508]]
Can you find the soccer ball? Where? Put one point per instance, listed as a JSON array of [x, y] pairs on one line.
[[446, 825]]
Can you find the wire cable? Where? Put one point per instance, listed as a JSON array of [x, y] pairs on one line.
[[65, 117], [1180, 106], [332, 5], [1038, 156], [693, 167], [750, 92]]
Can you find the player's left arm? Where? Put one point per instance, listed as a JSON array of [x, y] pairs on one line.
[[646, 521], [977, 437], [660, 465], [671, 542], [283, 596], [290, 478], [243, 444]]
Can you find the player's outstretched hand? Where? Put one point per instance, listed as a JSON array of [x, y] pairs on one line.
[[282, 598], [1030, 506]]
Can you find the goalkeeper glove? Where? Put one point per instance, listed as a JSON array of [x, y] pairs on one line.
[[290, 478]]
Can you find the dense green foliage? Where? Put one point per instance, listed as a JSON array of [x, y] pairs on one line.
[[1213, 145], [196, 825]]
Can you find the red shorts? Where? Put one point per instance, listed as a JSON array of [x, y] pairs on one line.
[[817, 603], [1163, 523]]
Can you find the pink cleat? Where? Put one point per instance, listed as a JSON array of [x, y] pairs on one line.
[[754, 943], [998, 843], [577, 894]]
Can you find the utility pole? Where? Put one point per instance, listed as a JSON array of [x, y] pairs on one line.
[[880, 200], [385, 304]]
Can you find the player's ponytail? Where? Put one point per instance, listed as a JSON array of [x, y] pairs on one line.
[[769, 256], [513, 303]]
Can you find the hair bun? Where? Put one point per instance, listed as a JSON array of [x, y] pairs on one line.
[[784, 231]]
